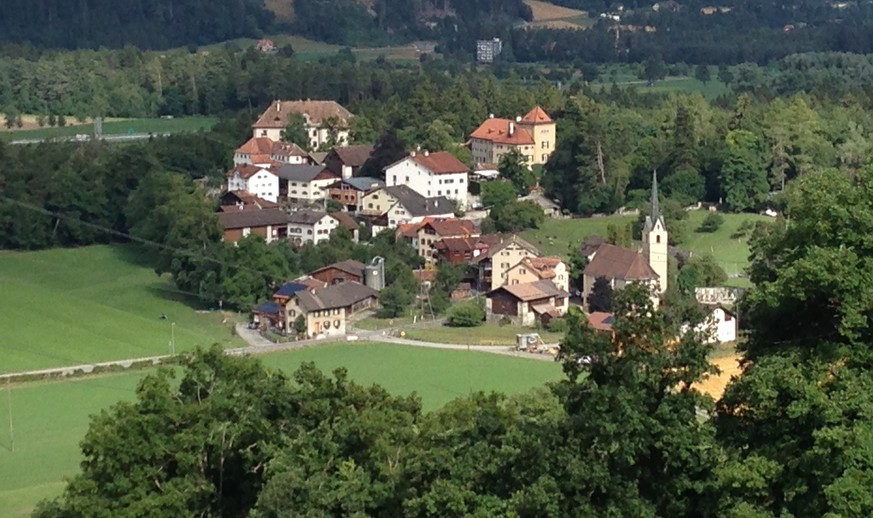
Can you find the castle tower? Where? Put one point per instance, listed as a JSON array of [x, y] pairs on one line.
[[655, 238]]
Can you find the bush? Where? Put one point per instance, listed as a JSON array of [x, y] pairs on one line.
[[558, 325], [712, 223], [467, 314]]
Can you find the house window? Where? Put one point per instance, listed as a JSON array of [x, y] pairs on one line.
[[407, 179], [369, 205], [658, 239], [439, 193], [309, 232], [522, 271], [514, 281]]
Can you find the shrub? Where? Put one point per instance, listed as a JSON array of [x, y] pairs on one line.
[[466, 314], [558, 325], [712, 223]]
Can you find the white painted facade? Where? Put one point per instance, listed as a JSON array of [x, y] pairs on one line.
[[263, 184], [719, 327], [317, 135], [427, 183], [313, 190], [300, 233]]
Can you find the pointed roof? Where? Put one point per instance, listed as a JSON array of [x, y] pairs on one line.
[[278, 113], [256, 146], [655, 214], [614, 262], [503, 131], [441, 162], [514, 239], [537, 116]]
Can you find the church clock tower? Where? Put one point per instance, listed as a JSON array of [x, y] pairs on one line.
[[655, 239]]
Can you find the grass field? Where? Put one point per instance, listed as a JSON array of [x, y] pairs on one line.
[[487, 334], [115, 127], [548, 15], [71, 306], [51, 418], [310, 50], [557, 235], [376, 323]]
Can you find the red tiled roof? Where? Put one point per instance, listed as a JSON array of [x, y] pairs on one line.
[[277, 114], [441, 162], [544, 267], [257, 146], [245, 171], [287, 149], [445, 227], [537, 116], [614, 262], [345, 220], [467, 244], [497, 131], [424, 275], [600, 321], [249, 201]]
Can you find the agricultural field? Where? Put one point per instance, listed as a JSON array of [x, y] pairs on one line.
[[548, 15], [72, 306], [732, 253], [311, 50], [31, 130], [51, 418], [486, 334]]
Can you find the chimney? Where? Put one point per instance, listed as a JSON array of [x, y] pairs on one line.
[[511, 128], [426, 153], [518, 118], [278, 106], [412, 153], [490, 115]]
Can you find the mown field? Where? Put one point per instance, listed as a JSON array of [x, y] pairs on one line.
[[112, 127], [311, 50], [555, 236], [72, 306], [486, 334], [51, 418]]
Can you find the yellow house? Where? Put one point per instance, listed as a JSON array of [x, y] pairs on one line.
[[532, 269], [495, 264], [533, 136]]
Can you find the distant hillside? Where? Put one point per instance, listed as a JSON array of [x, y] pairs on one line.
[[148, 24]]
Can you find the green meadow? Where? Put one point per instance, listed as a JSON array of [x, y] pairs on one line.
[[65, 307], [116, 127]]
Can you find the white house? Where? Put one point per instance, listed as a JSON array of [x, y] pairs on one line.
[[310, 226], [431, 175], [288, 153], [720, 326], [305, 183], [392, 206], [320, 118], [257, 180]]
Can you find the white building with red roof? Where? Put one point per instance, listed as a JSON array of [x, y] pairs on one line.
[[320, 119], [256, 151], [533, 136], [431, 175], [259, 181]]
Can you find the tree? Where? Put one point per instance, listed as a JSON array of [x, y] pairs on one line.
[[600, 298], [698, 272], [711, 223], [52, 120], [388, 149], [654, 69], [395, 300], [498, 193], [513, 167], [619, 235], [438, 136], [702, 74], [62, 121], [295, 131], [743, 175], [725, 75], [300, 325], [465, 314], [517, 216], [11, 114]]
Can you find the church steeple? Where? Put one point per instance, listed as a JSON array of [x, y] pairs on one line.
[[656, 209], [655, 238]]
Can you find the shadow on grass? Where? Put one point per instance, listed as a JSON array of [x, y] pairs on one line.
[[134, 254]]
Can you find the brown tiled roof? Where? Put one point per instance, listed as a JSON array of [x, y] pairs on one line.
[[277, 114], [345, 220], [441, 162], [497, 131], [532, 290], [349, 266], [306, 217], [544, 267], [229, 200], [334, 296], [245, 171], [614, 262], [467, 244], [352, 156], [537, 116], [257, 146], [452, 227], [506, 242], [310, 282], [546, 309], [600, 321], [590, 245], [252, 218], [287, 149]]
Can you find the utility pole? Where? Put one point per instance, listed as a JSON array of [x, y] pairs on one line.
[[9, 405], [173, 338]]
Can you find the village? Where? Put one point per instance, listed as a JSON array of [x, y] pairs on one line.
[[280, 191]]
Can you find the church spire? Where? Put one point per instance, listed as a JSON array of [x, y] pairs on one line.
[[656, 210]]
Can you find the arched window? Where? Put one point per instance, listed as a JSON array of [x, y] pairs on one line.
[[658, 239]]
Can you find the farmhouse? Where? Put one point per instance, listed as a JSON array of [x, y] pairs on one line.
[[494, 264], [346, 161], [343, 271], [304, 183], [320, 119], [349, 191], [325, 310], [399, 204], [243, 200], [533, 136], [257, 180], [459, 250], [310, 226], [289, 153], [423, 235], [271, 224], [525, 304], [256, 151], [431, 174]]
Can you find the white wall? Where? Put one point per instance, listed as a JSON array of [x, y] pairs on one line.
[[263, 184], [421, 180], [316, 233]]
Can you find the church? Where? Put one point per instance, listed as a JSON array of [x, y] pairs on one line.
[[621, 266]]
